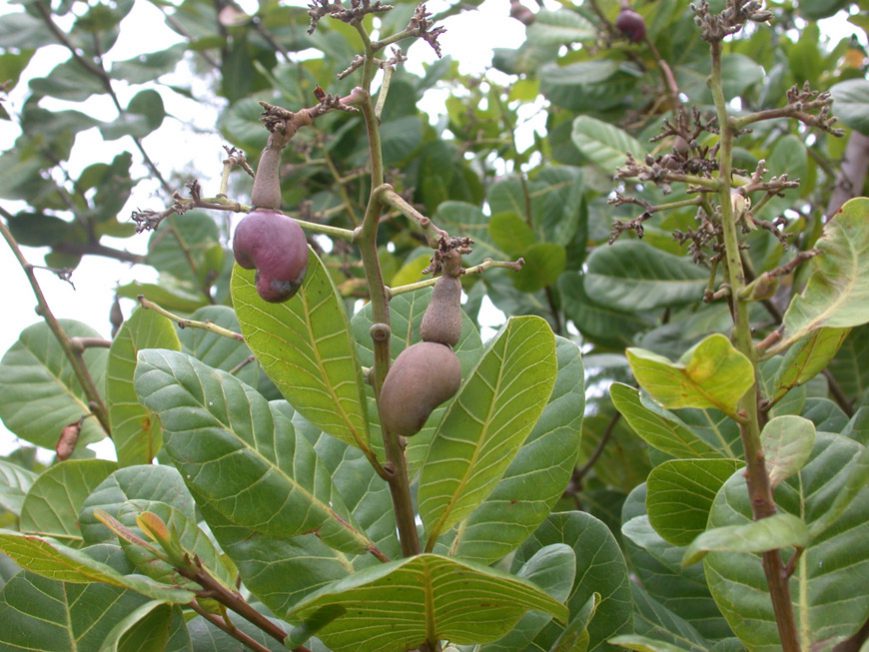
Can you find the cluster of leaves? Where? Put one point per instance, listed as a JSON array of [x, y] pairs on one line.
[[576, 520]]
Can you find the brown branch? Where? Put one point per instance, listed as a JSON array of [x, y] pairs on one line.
[[97, 249], [82, 373], [229, 628], [580, 473], [183, 322], [231, 599]]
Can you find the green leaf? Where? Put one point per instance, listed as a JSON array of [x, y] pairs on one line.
[[682, 591], [604, 144], [600, 569], [807, 358], [680, 494], [575, 637], [787, 443], [837, 292], [152, 627], [153, 482], [632, 276], [401, 604], [855, 478], [135, 430], [68, 81], [305, 347], [52, 505], [240, 124], [223, 437], [43, 615], [170, 294], [39, 391], [711, 374], [511, 233], [850, 367], [494, 412], [150, 66], [536, 477], [15, 482], [850, 100], [588, 85], [544, 263], [562, 27], [775, 532], [596, 322], [645, 644], [58, 562], [187, 247], [219, 351], [658, 429], [552, 568], [22, 31], [817, 9], [143, 115], [836, 557], [651, 618]]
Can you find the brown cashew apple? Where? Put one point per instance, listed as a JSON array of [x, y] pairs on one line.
[[632, 25], [275, 246], [442, 321], [422, 377]]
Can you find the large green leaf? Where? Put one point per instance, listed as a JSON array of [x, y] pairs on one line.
[[15, 482], [39, 391], [135, 430], [658, 428], [152, 627], [850, 99], [597, 322], [711, 374], [835, 560], [654, 621], [489, 420], [658, 566], [241, 454], [588, 85], [807, 358], [604, 144], [600, 568], [680, 494], [562, 27], [147, 67], [850, 367], [552, 568], [401, 604], [52, 505], [632, 275], [305, 347], [157, 482], [45, 615], [58, 562], [837, 292], [536, 477]]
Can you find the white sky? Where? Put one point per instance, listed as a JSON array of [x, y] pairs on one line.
[[469, 39]]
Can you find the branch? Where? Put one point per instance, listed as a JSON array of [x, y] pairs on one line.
[[105, 80], [229, 628], [852, 173], [515, 265], [183, 322], [95, 400], [433, 233]]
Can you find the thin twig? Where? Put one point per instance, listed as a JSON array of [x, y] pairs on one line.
[[184, 322], [229, 628]]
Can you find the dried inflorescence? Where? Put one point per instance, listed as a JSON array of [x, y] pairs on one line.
[[734, 16], [420, 25], [353, 16]]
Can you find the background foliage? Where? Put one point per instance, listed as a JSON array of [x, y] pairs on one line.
[[629, 468]]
